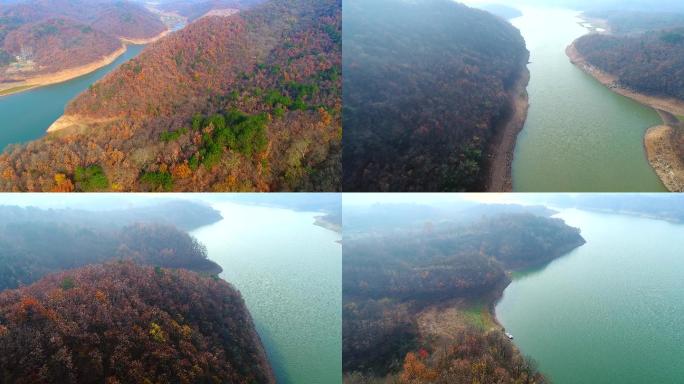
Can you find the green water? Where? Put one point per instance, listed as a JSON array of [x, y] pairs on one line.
[[610, 311], [579, 136], [26, 116], [290, 274]]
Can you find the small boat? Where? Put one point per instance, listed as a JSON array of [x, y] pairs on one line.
[[510, 337]]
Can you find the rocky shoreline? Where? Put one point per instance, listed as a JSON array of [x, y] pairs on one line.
[[502, 148], [661, 143]]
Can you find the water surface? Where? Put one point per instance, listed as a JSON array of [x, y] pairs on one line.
[[26, 116], [610, 311], [579, 135], [289, 272]]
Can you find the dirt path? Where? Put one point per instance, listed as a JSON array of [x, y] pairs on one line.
[[501, 150]]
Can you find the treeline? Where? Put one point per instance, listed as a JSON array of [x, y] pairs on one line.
[[185, 215], [30, 250], [425, 86], [246, 102], [445, 260], [650, 63], [388, 279], [631, 22], [124, 323], [47, 36], [668, 207]]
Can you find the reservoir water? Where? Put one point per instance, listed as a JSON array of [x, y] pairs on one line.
[[289, 272], [608, 312], [579, 136], [26, 116]]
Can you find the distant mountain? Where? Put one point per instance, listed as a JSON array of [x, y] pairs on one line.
[[193, 10], [426, 88], [185, 215], [627, 22], [30, 249], [122, 323], [503, 11], [245, 102]]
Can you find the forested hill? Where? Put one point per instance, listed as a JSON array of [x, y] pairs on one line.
[[632, 22], [246, 102], [119, 18], [651, 63], [122, 323], [391, 281], [424, 87], [462, 260], [40, 37], [182, 214], [30, 250]]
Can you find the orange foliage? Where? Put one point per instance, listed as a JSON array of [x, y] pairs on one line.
[[416, 370], [181, 171], [62, 183]]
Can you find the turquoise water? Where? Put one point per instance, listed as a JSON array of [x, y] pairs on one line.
[[579, 136], [289, 272], [26, 116], [608, 312]]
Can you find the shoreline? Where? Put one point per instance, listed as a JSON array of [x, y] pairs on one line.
[[63, 75], [76, 72], [501, 150], [323, 222], [660, 142], [75, 121], [133, 41]]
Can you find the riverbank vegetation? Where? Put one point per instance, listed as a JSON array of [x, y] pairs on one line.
[[421, 110], [649, 68], [246, 102], [650, 63], [417, 301]]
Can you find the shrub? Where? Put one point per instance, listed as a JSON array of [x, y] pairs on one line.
[[91, 178]]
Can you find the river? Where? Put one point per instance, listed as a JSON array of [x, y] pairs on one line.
[[608, 312], [26, 116], [579, 135], [289, 272]]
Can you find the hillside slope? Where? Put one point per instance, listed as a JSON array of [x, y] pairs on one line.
[[245, 102], [426, 88], [122, 323], [650, 63], [49, 41], [54, 45], [418, 303]]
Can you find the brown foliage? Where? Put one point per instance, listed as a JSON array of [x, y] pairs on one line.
[[215, 65], [122, 323]]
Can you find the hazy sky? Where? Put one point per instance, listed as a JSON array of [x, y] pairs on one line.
[[358, 199]]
